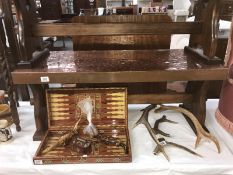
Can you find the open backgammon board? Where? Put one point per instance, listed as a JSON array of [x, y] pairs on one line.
[[109, 117]]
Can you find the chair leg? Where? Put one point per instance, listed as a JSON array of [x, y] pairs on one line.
[[15, 115], [13, 107]]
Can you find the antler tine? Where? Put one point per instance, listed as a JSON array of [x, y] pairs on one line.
[[148, 108], [164, 119], [144, 120], [161, 120], [200, 131], [144, 117]]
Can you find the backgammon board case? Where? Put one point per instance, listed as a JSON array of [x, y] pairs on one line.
[[110, 117]]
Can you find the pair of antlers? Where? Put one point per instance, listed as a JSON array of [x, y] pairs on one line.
[[201, 133]]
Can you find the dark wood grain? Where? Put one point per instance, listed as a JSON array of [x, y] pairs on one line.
[[120, 66], [26, 17], [121, 42], [124, 42], [70, 29], [122, 19], [14, 52], [10, 31], [40, 111], [219, 44], [210, 28], [50, 10], [199, 90], [209, 40], [160, 98], [7, 78], [132, 66]]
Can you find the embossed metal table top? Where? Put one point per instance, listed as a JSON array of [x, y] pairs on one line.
[[121, 66]]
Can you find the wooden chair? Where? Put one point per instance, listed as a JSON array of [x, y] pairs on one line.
[[225, 13], [13, 51], [7, 79]]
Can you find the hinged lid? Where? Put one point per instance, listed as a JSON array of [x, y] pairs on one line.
[[110, 107]]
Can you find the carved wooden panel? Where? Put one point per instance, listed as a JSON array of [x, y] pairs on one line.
[[122, 42]]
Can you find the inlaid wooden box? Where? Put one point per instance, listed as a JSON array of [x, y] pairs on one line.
[[110, 116]]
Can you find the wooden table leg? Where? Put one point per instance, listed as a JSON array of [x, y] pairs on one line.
[[199, 91], [40, 111]]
